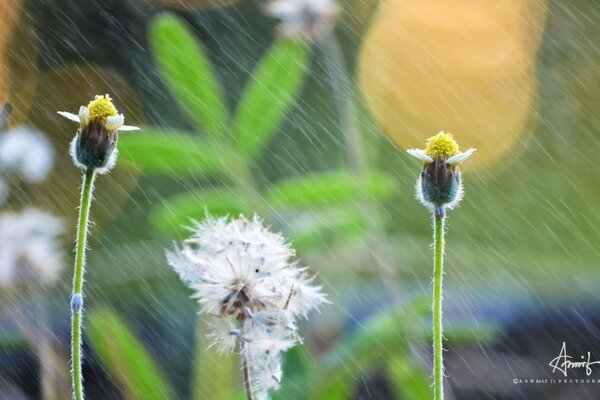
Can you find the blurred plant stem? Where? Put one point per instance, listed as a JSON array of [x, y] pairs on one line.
[[339, 77], [438, 273], [240, 173], [35, 327], [77, 295]]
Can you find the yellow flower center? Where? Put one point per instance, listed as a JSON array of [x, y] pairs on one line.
[[101, 107], [441, 145]]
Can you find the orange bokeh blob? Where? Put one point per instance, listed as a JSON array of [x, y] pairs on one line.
[[9, 14], [465, 66]]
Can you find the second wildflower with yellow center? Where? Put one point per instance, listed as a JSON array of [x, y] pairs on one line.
[[439, 185]]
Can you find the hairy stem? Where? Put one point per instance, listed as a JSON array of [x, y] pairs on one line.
[[77, 296], [247, 382], [438, 273]]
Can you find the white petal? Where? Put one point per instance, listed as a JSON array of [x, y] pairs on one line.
[[129, 128], [69, 115], [84, 116], [460, 157], [420, 155], [114, 122]]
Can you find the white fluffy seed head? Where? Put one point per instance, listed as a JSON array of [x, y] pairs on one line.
[[26, 151], [243, 274], [240, 263], [29, 247]]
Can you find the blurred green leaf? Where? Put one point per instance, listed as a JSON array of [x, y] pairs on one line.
[[385, 337], [271, 92], [125, 358], [170, 152], [318, 228], [177, 212], [380, 338], [408, 379], [189, 73], [332, 187], [337, 386], [388, 333]]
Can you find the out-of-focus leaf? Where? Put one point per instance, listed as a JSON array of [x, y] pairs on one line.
[[157, 151], [381, 337], [12, 341], [409, 380], [125, 358], [317, 228], [268, 96], [329, 188], [178, 212], [216, 376], [385, 337], [337, 386], [189, 73]]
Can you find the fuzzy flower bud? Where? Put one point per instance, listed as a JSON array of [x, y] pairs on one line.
[[94, 145], [242, 275], [439, 186]]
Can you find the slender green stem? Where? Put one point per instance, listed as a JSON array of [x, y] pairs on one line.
[[438, 273], [77, 296]]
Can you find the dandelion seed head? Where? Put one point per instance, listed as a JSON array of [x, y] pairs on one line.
[[243, 274], [240, 263]]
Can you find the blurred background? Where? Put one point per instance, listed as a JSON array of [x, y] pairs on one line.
[[303, 117]]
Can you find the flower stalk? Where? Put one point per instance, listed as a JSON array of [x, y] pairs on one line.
[[77, 295], [247, 379], [438, 274]]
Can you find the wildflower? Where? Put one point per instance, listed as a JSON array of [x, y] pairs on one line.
[[304, 19], [29, 247], [93, 150], [242, 275], [27, 151], [94, 145], [439, 186]]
